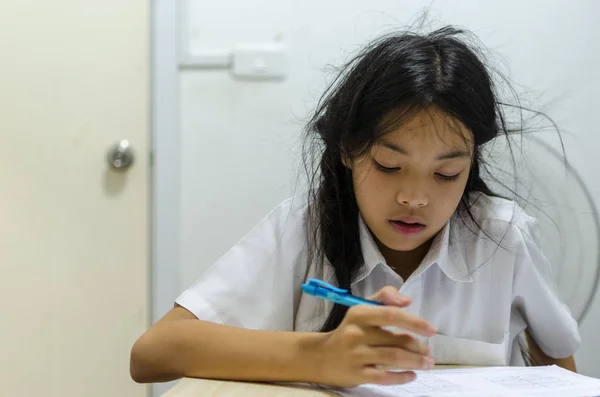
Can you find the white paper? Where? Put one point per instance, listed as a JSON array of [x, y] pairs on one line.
[[551, 381]]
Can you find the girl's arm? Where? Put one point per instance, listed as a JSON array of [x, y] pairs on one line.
[[179, 345], [538, 357]]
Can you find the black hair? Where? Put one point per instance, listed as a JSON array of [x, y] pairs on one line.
[[399, 74]]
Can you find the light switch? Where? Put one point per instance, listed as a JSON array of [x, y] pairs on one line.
[[259, 61]]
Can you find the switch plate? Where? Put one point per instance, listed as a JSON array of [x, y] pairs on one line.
[[265, 61]]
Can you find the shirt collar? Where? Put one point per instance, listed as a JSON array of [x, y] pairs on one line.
[[448, 258]]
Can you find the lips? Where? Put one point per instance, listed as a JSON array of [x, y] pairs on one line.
[[415, 224], [409, 220], [407, 225]]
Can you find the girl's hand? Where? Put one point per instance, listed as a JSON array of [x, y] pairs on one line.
[[352, 353]]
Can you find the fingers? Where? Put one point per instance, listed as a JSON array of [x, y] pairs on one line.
[[396, 351], [380, 338], [381, 316], [390, 296], [383, 377], [395, 357]]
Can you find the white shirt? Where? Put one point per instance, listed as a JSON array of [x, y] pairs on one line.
[[480, 296]]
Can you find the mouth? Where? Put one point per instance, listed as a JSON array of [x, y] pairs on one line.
[[407, 226]]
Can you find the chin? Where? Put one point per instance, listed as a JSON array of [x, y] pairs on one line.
[[407, 244]]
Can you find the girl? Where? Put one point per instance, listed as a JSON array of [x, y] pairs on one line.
[[397, 212]]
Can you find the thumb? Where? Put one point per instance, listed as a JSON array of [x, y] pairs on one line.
[[390, 296]]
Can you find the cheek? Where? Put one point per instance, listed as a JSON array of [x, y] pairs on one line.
[[448, 196], [370, 186]]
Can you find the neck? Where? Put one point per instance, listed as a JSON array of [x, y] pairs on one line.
[[404, 262]]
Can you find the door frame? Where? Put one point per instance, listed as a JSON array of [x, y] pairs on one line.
[[166, 148], [165, 159], [166, 167]]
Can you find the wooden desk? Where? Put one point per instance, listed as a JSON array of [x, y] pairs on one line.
[[189, 387]]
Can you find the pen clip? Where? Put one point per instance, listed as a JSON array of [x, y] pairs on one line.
[[323, 284]]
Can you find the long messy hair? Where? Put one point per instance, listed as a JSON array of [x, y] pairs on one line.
[[399, 74]]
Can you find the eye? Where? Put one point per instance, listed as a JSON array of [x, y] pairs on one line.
[[447, 178], [384, 168]]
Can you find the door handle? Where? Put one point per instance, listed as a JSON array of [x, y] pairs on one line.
[[121, 156]]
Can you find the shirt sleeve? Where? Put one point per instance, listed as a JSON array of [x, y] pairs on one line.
[[536, 297], [256, 284]]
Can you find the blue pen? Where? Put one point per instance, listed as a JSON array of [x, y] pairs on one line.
[[323, 290]]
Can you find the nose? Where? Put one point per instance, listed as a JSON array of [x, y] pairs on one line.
[[412, 196]]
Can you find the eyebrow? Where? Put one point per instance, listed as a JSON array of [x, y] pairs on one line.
[[454, 154]]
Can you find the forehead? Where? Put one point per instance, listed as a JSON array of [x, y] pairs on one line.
[[430, 127]]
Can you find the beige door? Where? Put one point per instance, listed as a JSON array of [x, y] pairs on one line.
[[74, 262]]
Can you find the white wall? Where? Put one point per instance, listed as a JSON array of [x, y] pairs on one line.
[[239, 139]]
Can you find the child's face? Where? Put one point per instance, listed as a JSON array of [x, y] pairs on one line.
[[411, 182]]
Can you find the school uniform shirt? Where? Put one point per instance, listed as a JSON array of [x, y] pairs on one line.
[[480, 288]]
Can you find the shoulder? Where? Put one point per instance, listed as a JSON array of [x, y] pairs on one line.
[[497, 218], [289, 215], [264, 269], [494, 231], [284, 223]]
